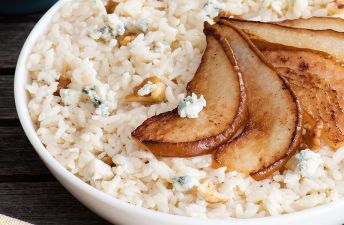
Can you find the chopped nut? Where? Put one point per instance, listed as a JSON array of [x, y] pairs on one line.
[[207, 192], [225, 14], [175, 45], [111, 6], [340, 4], [107, 159], [311, 138], [64, 80], [126, 38], [156, 95], [334, 8]]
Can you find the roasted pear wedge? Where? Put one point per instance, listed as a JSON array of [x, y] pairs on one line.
[[317, 79], [221, 84], [273, 130], [316, 23], [328, 41]]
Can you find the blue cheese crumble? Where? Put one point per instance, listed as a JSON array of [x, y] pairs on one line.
[[184, 183], [112, 28], [310, 164], [96, 170], [103, 108], [147, 89], [92, 94], [141, 25], [191, 106]]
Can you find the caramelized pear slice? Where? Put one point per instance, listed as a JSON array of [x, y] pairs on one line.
[[221, 84], [316, 23], [273, 130], [317, 79], [328, 41]]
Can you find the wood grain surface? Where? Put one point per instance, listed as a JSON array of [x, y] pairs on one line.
[[28, 191]]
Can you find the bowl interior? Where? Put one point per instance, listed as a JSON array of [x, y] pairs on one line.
[[106, 205]]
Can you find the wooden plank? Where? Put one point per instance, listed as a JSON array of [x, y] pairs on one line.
[[13, 32], [44, 203], [20, 19], [18, 159], [7, 106], [12, 38]]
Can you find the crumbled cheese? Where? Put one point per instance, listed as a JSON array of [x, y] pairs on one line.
[[102, 89], [190, 106], [96, 170], [105, 30], [184, 183], [147, 89], [92, 94], [141, 25], [70, 97], [103, 108], [310, 164], [117, 26], [213, 7], [113, 27]]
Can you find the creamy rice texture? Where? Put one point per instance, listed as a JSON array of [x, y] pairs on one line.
[[87, 128]]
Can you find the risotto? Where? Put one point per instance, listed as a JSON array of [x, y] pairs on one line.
[[81, 75]]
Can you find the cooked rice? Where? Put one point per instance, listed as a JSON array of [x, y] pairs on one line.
[[83, 140]]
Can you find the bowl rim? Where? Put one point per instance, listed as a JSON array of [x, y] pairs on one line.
[[21, 100]]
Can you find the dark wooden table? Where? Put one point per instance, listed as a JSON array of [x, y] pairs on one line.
[[28, 191]]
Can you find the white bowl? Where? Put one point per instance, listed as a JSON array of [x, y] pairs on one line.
[[117, 211]]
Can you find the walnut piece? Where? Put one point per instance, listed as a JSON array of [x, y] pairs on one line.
[[111, 6], [208, 192], [311, 137], [157, 95], [126, 38], [64, 80]]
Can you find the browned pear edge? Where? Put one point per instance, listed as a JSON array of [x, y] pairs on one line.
[[265, 45], [328, 32], [334, 142], [297, 135], [293, 22], [277, 24], [197, 147]]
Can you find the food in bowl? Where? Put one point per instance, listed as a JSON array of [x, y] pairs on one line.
[[225, 110], [103, 56], [314, 75], [273, 131], [316, 23]]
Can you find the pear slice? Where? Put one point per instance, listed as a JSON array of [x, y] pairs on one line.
[[219, 81], [317, 79], [316, 23], [328, 41], [273, 130]]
